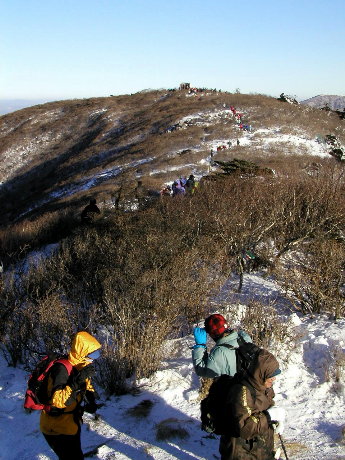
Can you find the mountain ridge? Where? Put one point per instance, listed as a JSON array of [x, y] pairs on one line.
[[334, 102], [58, 153]]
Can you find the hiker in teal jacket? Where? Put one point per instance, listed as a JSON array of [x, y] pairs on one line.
[[221, 359]]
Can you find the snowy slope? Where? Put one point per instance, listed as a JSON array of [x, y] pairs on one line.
[[306, 389]]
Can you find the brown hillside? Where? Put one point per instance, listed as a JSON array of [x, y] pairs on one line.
[[58, 154]]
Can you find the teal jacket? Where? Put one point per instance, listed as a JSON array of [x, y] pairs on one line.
[[220, 360]]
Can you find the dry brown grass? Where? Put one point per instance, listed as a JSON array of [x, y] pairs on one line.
[[171, 428], [141, 410]]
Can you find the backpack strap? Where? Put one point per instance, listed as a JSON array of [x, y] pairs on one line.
[[49, 408], [66, 363], [68, 367], [240, 339], [241, 371]]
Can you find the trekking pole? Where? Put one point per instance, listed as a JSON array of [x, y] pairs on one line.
[[283, 445]]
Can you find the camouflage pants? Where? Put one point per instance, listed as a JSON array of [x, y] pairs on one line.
[[242, 449]]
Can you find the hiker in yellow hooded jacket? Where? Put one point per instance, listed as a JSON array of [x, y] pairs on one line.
[[61, 425]]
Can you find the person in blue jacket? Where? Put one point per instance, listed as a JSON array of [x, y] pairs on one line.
[[221, 359]]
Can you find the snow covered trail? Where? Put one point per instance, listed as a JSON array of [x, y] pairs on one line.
[[307, 390], [314, 401]]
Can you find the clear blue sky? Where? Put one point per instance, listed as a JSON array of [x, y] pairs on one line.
[[59, 49]]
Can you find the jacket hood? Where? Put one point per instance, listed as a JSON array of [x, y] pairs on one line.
[[262, 369], [83, 344]]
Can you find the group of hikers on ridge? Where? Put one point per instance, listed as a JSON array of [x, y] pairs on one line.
[[181, 186], [249, 415]]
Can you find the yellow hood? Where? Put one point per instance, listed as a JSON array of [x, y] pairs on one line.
[[83, 344]]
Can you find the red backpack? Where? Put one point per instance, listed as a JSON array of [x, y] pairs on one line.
[[36, 395]]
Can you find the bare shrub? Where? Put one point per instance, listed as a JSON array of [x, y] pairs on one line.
[[31, 328], [266, 328], [310, 208], [314, 278], [17, 339], [116, 369], [35, 316], [136, 276], [20, 238], [56, 322], [334, 369], [240, 212]]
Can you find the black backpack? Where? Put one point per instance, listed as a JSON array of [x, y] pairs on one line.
[[215, 417]]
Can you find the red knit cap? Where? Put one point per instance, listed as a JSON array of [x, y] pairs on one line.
[[215, 325]]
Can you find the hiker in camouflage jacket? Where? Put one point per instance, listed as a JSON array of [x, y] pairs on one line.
[[249, 404]]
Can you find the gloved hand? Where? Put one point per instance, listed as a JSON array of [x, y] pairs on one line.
[[90, 406], [200, 336], [77, 379], [277, 415]]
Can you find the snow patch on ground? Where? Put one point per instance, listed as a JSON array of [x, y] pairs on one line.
[[95, 113], [15, 158], [50, 115], [297, 144]]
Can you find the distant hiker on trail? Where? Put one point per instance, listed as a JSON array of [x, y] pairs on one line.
[[61, 425], [177, 188], [238, 142], [190, 185], [89, 212], [222, 358], [116, 197], [166, 191], [183, 181], [140, 194], [252, 415]]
